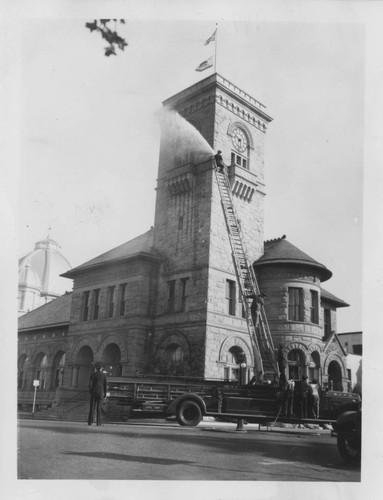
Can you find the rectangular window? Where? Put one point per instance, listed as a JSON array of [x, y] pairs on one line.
[[171, 295], [184, 294], [122, 299], [96, 303], [230, 297], [327, 322], [357, 349], [314, 309], [295, 304], [239, 160], [243, 310], [110, 310], [85, 306]]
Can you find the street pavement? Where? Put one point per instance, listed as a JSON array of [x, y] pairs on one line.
[[160, 450]]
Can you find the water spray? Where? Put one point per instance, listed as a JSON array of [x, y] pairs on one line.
[[182, 138]]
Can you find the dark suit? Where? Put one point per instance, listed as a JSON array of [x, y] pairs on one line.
[[97, 389], [301, 390]]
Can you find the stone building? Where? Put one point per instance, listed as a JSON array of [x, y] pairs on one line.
[[167, 302]]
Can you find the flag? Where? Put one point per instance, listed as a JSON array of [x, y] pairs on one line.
[[211, 39], [206, 64]]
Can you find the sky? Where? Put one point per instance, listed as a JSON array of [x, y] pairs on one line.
[[90, 132], [81, 135]]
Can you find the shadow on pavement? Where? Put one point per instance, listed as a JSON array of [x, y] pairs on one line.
[[128, 458]]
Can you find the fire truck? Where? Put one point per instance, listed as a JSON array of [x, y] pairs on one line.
[[189, 400]]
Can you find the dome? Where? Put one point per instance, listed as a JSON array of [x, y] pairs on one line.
[[43, 267], [28, 277]]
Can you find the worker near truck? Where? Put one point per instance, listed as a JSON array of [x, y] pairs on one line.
[[301, 391], [313, 399]]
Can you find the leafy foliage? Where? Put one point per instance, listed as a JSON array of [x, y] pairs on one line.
[[111, 36]]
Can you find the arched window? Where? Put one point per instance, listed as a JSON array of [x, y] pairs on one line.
[[41, 369], [58, 369], [314, 367], [295, 360], [21, 365], [174, 357], [235, 356]]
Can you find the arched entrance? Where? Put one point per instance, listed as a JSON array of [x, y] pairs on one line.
[[335, 376], [82, 368], [111, 358], [58, 369], [296, 364]]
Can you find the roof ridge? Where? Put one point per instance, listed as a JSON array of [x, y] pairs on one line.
[[274, 240]]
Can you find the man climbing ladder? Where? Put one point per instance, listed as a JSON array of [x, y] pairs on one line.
[[219, 161]]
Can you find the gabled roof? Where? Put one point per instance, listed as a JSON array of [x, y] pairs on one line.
[[334, 337], [331, 298], [55, 312], [281, 251], [142, 245]]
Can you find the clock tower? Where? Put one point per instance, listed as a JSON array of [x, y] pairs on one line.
[[198, 313]]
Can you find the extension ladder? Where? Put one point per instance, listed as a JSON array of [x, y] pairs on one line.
[[260, 336]]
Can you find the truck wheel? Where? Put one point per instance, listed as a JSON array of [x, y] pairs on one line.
[[189, 413], [349, 445]]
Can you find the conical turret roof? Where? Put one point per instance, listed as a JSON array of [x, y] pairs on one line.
[[280, 251]]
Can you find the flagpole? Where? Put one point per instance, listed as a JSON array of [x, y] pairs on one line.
[[216, 43]]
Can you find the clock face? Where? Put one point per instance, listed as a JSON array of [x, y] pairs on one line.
[[239, 140]]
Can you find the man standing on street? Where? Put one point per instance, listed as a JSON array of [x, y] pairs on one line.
[[97, 390]]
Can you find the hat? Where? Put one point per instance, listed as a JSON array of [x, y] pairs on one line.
[[98, 365], [304, 377], [219, 151]]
